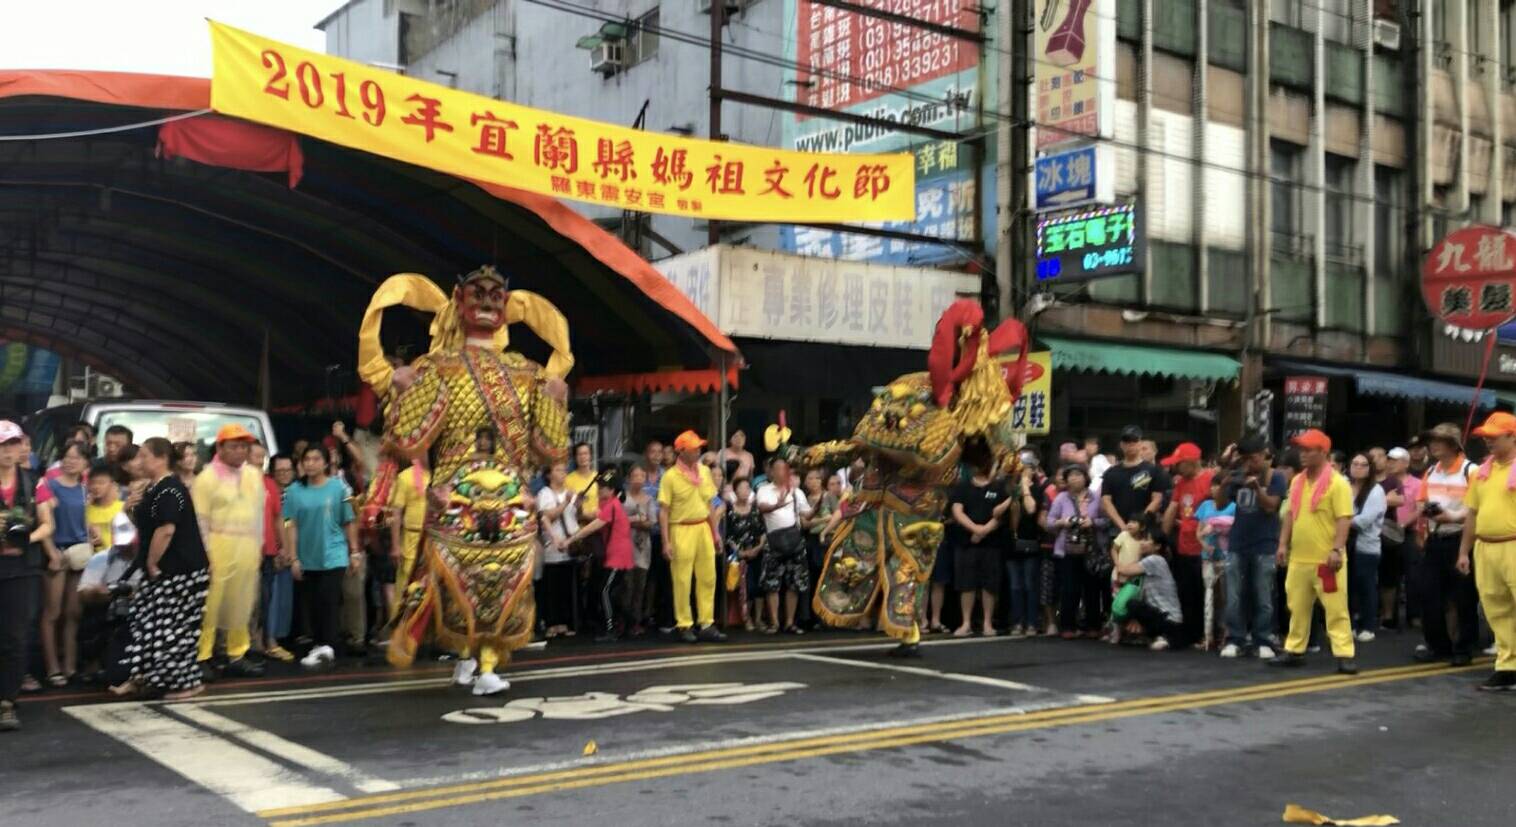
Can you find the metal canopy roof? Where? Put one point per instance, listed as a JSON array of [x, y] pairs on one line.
[[167, 273]]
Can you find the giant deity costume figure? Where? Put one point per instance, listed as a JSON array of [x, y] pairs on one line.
[[880, 558], [471, 587]]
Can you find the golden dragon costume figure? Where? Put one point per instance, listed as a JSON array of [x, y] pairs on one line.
[[881, 557], [471, 587]]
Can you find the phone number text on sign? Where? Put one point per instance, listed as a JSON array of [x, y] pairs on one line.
[[494, 141]]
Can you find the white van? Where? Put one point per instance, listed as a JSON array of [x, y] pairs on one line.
[[195, 422]]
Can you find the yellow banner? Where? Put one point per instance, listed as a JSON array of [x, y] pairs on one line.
[[469, 135], [1032, 413]]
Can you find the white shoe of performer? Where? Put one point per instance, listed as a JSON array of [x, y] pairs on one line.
[[490, 683], [463, 673]]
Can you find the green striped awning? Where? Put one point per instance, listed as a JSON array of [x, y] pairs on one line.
[[1140, 360]]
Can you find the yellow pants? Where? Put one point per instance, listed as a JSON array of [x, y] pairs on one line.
[[694, 553], [236, 562], [1302, 588], [411, 546], [1495, 575]]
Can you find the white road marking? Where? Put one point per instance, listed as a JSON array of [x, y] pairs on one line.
[[284, 749], [921, 671], [547, 673], [253, 782], [242, 776]]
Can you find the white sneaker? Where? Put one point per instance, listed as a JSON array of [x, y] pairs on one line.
[[490, 683], [318, 656], [1265, 653], [1159, 644], [1229, 650], [463, 673], [1365, 636]]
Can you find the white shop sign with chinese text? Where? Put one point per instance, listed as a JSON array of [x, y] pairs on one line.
[[787, 297]]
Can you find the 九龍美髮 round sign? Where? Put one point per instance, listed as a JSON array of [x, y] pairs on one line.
[[1469, 277]]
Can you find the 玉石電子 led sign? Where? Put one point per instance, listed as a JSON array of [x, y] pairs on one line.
[[1088, 244]]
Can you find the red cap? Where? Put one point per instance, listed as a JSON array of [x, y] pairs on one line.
[[1183, 452], [1313, 439]]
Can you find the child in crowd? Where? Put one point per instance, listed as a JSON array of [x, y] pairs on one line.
[[1215, 525], [1127, 550], [103, 505]]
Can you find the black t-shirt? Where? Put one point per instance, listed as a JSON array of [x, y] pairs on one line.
[[1029, 529], [169, 503], [979, 504], [1131, 488]]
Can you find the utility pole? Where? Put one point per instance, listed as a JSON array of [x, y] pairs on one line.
[[1010, 136], [718, 21]]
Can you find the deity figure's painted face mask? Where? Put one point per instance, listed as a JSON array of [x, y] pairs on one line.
[[481, 304]]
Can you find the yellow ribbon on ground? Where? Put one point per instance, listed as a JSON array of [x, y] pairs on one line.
[[1296, 814]]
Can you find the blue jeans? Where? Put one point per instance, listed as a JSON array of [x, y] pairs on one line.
[[1026, 581], [1363, 591], [1249, 585]]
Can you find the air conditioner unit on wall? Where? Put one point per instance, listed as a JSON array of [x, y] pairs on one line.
[[1387, 35], [607, 58]]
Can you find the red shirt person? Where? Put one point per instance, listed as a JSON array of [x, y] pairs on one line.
[[616, 532], [1192, 486]]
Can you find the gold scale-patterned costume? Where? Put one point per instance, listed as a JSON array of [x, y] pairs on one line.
[[911, 439], [471, 590]]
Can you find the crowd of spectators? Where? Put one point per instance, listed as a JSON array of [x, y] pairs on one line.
[[142, 571]]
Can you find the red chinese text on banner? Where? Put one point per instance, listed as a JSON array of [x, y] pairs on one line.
[[1469, 277]]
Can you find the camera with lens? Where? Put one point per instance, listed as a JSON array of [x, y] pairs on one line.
[[18, 531], [120, 601], [1431, 509]]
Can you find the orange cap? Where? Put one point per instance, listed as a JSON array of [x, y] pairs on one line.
[[1183, 452], [1500, 423], [688, 441], [234, 432], [1313, 438]]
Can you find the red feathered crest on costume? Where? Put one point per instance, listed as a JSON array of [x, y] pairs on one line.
[[955, 349]]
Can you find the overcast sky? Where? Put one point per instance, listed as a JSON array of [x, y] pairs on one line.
[[158, 36]]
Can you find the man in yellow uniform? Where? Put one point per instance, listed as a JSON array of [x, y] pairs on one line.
[[228, 497], [688, 526], [408, 504], [1490, 533], [1313, 543]]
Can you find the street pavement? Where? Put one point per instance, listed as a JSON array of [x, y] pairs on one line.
[[819, 730]]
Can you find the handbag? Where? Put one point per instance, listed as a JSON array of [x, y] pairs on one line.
[[790, 541]]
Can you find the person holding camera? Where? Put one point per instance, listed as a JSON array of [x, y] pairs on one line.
[[22, 529], [1257, 489], [1074, 515], [106, 586], [1442, 505]]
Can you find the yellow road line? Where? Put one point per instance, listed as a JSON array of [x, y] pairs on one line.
[[935, 728], [689, 763]]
